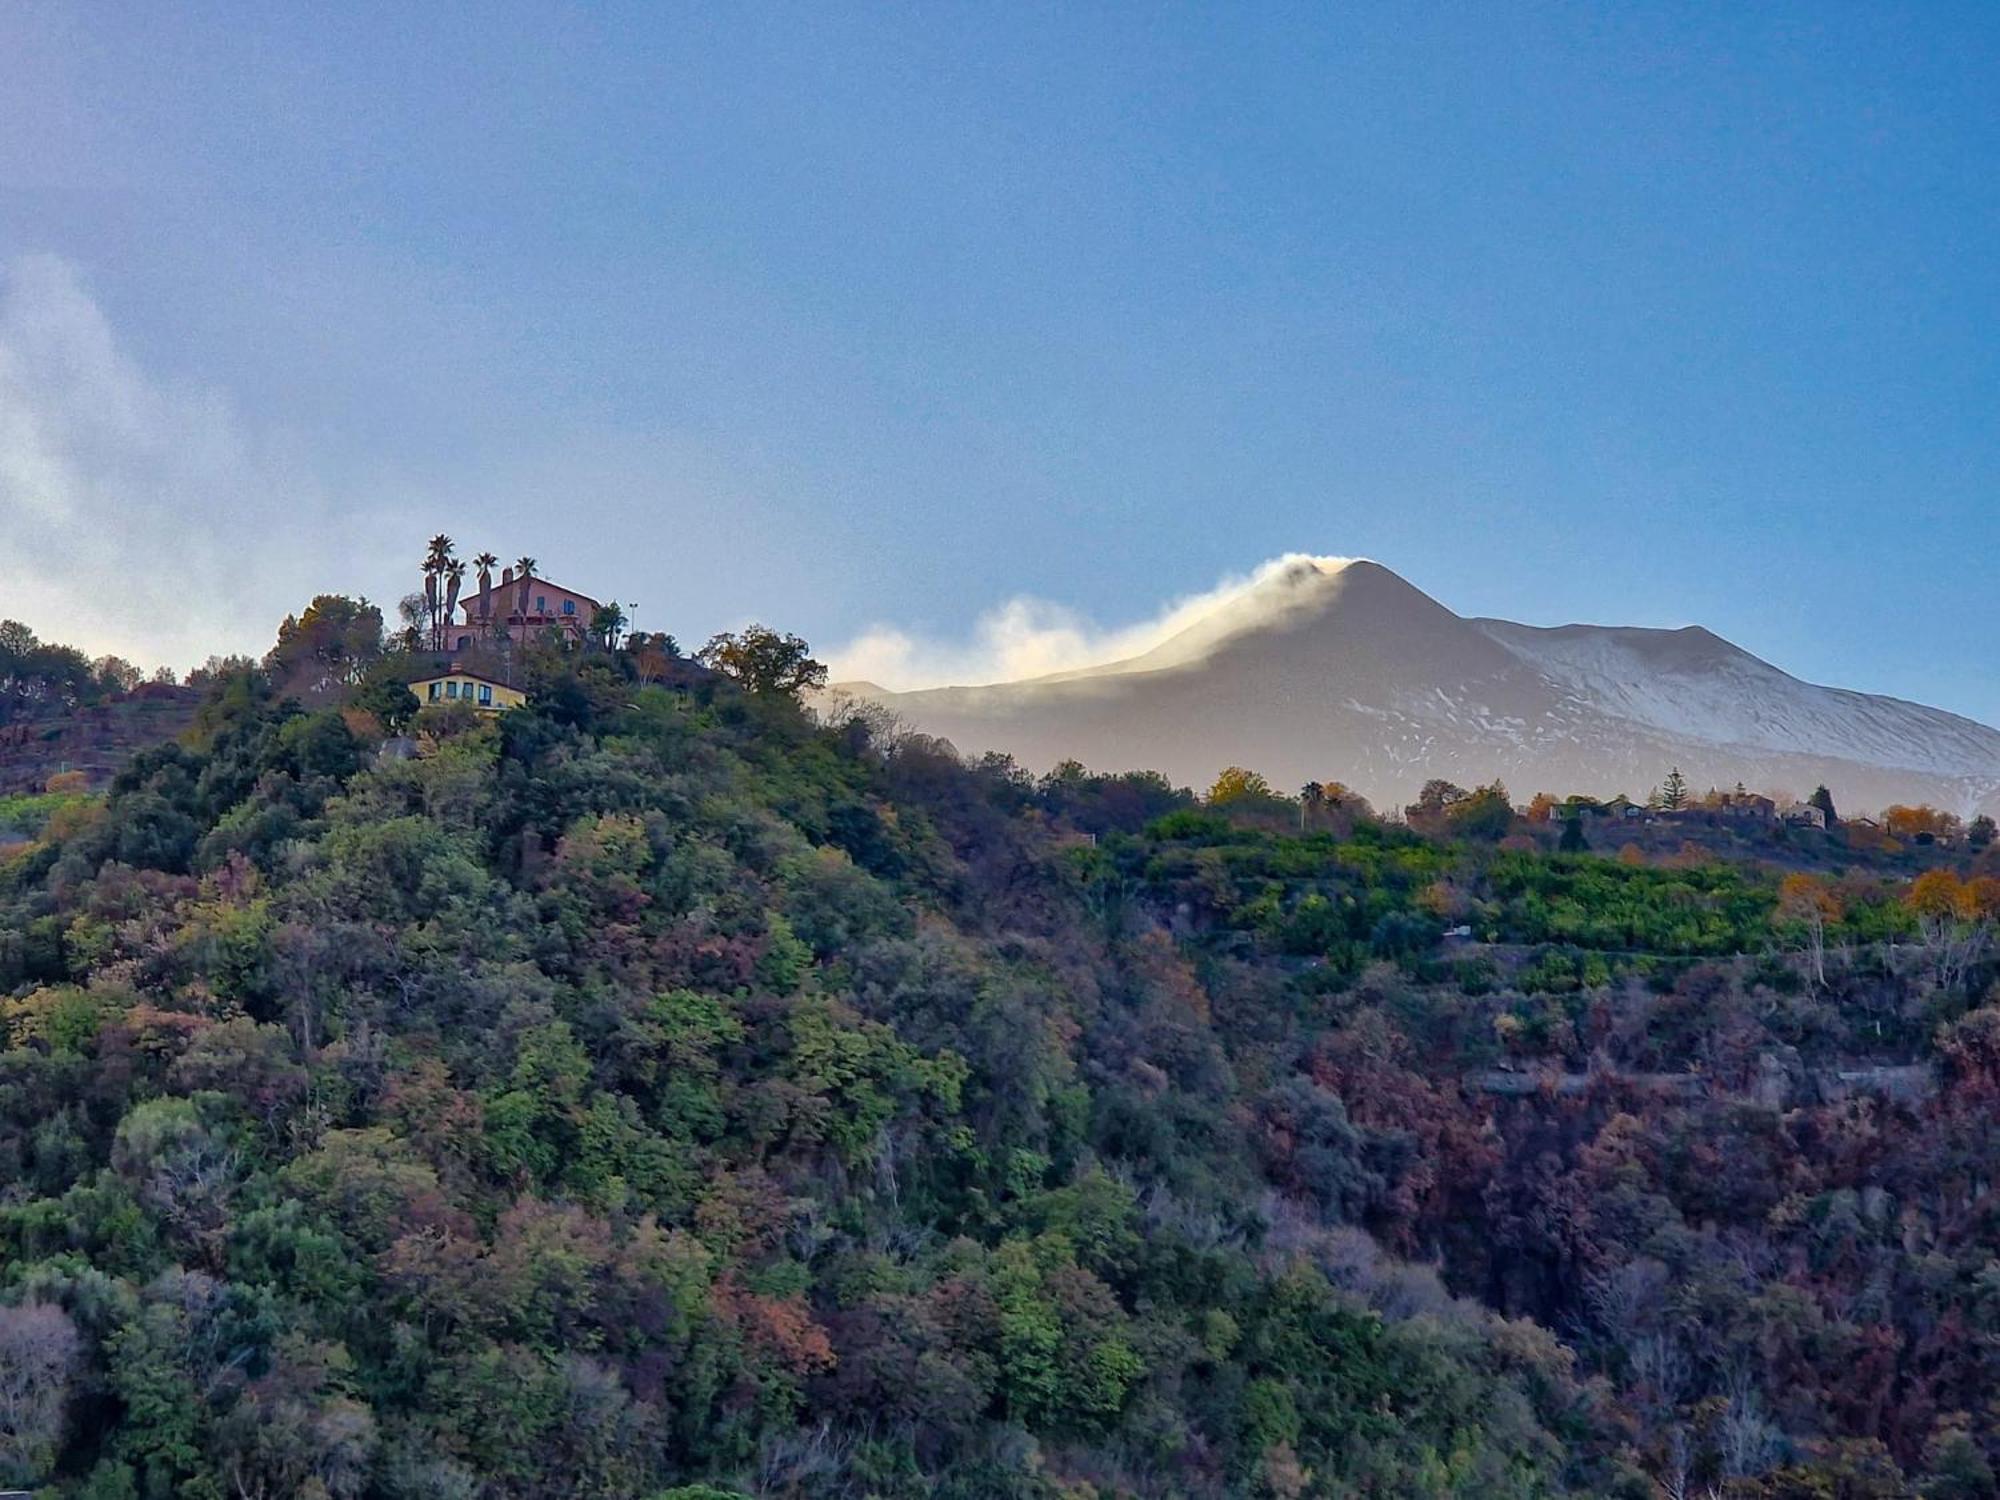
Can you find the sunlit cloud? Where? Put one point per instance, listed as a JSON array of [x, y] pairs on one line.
[[1029, 637]]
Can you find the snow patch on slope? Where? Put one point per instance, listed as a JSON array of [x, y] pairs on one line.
[[1692, 684]]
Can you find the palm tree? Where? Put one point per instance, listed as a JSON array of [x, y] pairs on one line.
[[608, 624], [522, 569], [1312, 797], [454, 572], [435, 557], [485, 562]]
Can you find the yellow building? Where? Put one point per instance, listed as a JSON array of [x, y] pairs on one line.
[[487, 694]]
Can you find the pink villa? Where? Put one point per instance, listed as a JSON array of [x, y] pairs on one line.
[[521, 609]]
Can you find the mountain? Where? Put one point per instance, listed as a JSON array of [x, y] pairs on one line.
[[1325, 670]]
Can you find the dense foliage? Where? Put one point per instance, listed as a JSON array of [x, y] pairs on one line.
[[39, 677], [652, 1090]]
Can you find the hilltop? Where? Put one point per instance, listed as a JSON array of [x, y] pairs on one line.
[[658, 1090]]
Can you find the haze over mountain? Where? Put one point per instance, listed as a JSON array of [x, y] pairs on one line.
[[1331, 669]]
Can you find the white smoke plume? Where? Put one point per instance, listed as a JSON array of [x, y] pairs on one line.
[[1029, 637], [139, 515]]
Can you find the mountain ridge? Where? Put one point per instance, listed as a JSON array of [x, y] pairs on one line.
[[1345, 669]]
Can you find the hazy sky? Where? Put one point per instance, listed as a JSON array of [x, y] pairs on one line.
[[893, 315]]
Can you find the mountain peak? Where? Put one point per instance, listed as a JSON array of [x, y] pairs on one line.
[[1340, 667], [1355, 596]]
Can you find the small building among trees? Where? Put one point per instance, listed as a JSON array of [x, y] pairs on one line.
[[1747, 807], [488, 695]]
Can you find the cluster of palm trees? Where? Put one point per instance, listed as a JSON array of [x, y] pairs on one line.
[[444, 578]]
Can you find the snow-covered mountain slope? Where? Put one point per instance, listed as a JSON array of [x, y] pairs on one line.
[[1345, 671], [1691, 682]]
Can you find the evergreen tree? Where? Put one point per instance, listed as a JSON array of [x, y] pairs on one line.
[[1823, 800], [1674, 791], [1573, 841]]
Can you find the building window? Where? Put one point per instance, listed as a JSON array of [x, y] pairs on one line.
[[541, 604], [451, 690], [434, 692], [569, 606], [464, 641], [485, 695]]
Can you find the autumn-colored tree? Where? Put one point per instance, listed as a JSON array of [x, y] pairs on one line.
[[1953, 929], [1982, 895], [1939, 893], [1919, 822], [1236, 784]]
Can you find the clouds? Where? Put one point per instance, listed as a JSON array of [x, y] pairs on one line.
[[1029, 637], [137, 513]]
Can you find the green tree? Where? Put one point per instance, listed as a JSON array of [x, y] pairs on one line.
[[389, 699], [330, 646], [1487, 814], [764, 662], [1672, 795], [1437, 794]]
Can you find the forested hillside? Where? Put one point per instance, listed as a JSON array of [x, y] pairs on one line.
[[662, 1092]]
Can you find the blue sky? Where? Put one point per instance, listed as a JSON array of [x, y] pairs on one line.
[[893, 314]]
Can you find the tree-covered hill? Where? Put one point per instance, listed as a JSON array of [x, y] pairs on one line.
[[660, 1091]]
